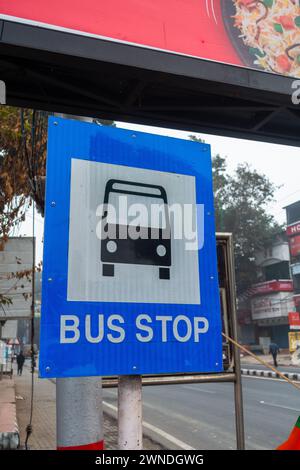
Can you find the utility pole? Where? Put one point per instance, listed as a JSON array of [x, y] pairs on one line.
[[130, 417], [79, 410], [79, 417], [2, 323]]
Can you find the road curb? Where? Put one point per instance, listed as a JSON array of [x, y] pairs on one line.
[[114, 415], [269, 374], [163, 439]]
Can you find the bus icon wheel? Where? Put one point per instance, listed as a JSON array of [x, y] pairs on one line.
[[108, 270], [164, 273]]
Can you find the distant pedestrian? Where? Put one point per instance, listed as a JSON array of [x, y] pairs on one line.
[[274, 350], [20, 362]]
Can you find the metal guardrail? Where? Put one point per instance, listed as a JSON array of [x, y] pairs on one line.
[[111, 382]]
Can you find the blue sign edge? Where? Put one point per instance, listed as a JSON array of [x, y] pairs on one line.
[[61, 136]]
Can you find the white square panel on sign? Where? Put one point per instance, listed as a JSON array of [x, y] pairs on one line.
[[130, 282]]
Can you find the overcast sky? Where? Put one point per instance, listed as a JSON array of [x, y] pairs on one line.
[[278, 162]]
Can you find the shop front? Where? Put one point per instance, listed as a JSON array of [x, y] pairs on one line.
[[270, 306]]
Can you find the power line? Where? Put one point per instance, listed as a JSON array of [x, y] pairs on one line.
[[29, 426]]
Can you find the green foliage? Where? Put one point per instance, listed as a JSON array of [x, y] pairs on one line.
[[23, 141], [23, 144], [241, 207]]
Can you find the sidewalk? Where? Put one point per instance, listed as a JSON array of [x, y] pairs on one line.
[[282, 359], [9, 433], [44, 415]]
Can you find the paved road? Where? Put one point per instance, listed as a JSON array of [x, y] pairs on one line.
[[202, 415]]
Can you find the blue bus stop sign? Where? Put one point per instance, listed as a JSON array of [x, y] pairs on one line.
[[130, 282]]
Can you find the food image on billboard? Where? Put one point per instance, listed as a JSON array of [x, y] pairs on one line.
[[257, 34], [270, 30]]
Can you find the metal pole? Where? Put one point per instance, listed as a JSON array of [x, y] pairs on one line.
[[161, 379], [238, 393], [238, 401], [2, 323], [130, 434], [79, 414]]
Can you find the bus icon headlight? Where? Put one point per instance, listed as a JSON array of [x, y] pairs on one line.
[[111, 246], [161, 250]]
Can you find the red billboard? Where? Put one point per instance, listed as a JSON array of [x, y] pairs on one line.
[[272, 286], [294, 243], [297, 300], [293, 229], [294, 320], [262, 35]]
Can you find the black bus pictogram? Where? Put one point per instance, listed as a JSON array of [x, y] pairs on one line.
[[151, 247]]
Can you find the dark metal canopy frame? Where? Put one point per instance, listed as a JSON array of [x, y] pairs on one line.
[[65, 72]]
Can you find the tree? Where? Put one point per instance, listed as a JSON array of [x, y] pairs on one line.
[[23, 144], [241, 207], [22, 171], [244, 212]]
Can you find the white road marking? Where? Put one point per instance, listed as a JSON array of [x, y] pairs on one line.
[[198, 425], [279, 406], [194, 389], [264, 378], [177, 442]]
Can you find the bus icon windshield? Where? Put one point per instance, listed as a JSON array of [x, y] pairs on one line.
[[152, 246]]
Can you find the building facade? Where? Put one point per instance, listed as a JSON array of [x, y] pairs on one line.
[[293, 234], [266, 306]]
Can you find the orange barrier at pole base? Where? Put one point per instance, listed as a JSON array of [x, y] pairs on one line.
[[293, 442]]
